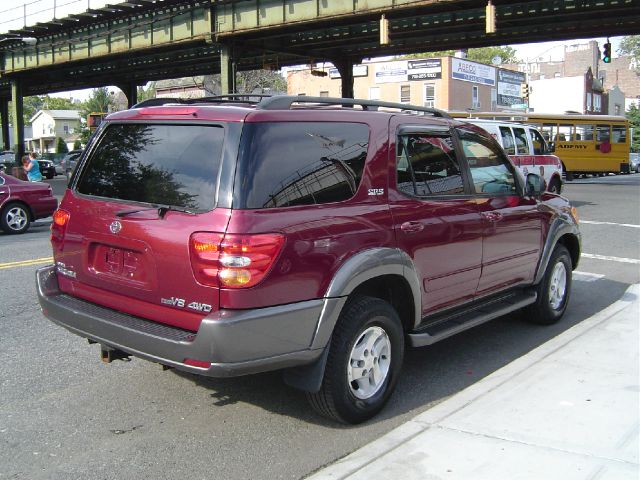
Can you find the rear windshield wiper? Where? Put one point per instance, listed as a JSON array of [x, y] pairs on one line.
[[161, 209]]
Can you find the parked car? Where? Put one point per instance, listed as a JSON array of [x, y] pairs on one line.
[[527, 149], [634, 163], [295, 233], [47, 168], [7, 161], [69, 162], [23, 202], [59, 166]]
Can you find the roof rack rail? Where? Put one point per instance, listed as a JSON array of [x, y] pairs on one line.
[[230, 98], [284, 102]]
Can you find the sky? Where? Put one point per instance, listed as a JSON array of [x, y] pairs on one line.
[[12, 16]]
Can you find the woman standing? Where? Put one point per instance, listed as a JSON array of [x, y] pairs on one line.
[[31, 168]]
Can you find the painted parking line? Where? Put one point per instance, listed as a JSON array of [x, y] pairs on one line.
[[586, 276], [593, 222], [610, 259], [26, 263]]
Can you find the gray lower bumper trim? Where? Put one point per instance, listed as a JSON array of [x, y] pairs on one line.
[[235, 342]]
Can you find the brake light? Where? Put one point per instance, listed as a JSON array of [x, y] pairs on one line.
[[233, 261], [169, 111], [59, 225]]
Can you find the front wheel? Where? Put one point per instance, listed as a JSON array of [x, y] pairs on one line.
[[553, 291], [14, 218], [364, 361], [555, 186]]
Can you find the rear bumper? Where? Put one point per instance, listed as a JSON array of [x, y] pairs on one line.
[[235, 342]]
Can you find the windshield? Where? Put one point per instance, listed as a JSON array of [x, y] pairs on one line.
[[175, 165]]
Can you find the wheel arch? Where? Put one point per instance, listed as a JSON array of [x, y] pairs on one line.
[[564, 231], [26, 206]]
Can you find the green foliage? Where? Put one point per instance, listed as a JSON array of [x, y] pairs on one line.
[[99, 101], [77, 145], [630, 46], [481, 55], [147, 93], [61, 146], [633, 114], [31, 105]]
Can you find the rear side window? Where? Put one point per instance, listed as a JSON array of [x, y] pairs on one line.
[[522, 146], [285, 164], [427, 165], [174, 165], [508, 143]]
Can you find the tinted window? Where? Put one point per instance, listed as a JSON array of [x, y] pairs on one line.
[[427, 165], [300, 163], [489, 171], [173, 165], [508, 143]]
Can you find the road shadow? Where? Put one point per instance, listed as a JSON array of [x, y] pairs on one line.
[[429, 374]]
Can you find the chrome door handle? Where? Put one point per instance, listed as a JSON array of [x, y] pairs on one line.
[[411, 227]]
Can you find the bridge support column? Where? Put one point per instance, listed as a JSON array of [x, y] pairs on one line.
[[18, 127], [227, 70], [130, 90], [4, 114], [345, 67]]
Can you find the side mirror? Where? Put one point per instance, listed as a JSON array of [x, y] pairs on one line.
[[534, 185]]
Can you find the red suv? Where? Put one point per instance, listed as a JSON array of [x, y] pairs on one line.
[[313, 235]]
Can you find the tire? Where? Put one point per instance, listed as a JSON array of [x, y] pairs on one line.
[[14, 218], [553, 291], [555, 186], [346, 395]]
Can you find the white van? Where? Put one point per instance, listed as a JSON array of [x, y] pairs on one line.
[[526, 148]]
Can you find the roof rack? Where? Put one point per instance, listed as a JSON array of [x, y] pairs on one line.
[[234, 98], [284, 102]]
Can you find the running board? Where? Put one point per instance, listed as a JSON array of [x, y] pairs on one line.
[[447, 324]]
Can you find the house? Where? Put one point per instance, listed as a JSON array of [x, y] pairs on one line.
[[49, 125]]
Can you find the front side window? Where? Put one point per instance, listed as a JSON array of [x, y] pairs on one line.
[[172, 165], [489, 170], [508, 143], [285, 164], [619, 134], [427, 165], [539, 145]]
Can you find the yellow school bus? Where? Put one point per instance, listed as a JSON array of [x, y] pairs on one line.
[[595, 144]]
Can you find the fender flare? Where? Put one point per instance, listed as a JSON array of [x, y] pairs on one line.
[[561, 225]]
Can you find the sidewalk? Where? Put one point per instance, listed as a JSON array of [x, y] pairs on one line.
[[569, 409]]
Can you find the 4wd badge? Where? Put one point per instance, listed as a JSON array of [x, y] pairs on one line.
[[115, 226]]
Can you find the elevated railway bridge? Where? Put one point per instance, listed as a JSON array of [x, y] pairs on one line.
[[130, 43]]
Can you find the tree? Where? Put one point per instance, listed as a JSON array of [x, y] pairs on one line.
[[251, 81], [61, 146], [485, 55], [77, 145], [31, 105], [633, 114], [147, 93], [630, 46], [100, 101]]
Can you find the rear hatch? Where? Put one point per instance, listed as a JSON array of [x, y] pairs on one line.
[[142, 191]]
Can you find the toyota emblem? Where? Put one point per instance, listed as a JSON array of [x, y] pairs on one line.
[[115, 226]]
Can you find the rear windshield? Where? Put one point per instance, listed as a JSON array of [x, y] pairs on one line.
[[300, 163], [175, 165]]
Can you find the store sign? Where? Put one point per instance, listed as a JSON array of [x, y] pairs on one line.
[[472, 72], [428, 69], [408, 70], [509, 88], [358, 71]]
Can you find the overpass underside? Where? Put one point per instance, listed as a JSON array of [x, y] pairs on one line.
[[130, 43]]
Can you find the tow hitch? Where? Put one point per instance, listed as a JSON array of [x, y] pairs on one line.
[[108, 354]]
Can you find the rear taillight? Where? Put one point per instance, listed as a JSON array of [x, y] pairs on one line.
[[233, 261], [59, 225]]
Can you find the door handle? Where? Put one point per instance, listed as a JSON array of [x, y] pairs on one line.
[[492, 216], [411, 227]]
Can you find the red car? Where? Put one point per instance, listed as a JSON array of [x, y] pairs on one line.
[[23, 202]]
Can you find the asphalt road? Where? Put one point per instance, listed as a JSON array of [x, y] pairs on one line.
[[65, 415]]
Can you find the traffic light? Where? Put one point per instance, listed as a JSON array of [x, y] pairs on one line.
[[606, 53], [524, 91]]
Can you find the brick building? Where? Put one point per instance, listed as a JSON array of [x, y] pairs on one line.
[[447, 83]]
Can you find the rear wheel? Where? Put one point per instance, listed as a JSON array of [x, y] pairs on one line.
[[365, 357], [553, 291], [14, 218]]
